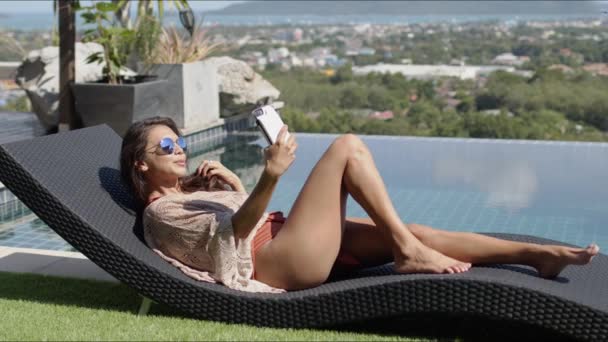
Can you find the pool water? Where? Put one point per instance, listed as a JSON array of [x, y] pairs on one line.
[[556, 190]]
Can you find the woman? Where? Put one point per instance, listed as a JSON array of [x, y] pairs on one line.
[[224, 235]]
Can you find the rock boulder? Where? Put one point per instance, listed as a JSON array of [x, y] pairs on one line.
[[241, 88], [38, 75]]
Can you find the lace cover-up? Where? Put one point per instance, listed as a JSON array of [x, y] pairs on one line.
[[194, 232]]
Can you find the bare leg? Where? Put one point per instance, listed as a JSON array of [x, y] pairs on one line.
[[549, 260], [304, 250], [365, 184], [367, 243]]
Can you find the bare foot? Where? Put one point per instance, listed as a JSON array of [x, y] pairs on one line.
[[422, 259], [554, 259]]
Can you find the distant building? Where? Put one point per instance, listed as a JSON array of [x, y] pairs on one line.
[[362, 28], [586, 36], [548, 33], [495, 112], [565, 52], [313, 115], [597, 69], [321, 57], [452, 102], [561, 67], [361, 52], [505, 59], [282, 35], [295, 61], [243, 41], [285, 65], [334, 61], [522, 73], [423, 71], [510, 59], [320, 52], [527, 39], [456, 61], [353, 46], [254, 58], [297, 34], [8, 85], [309, 62], [381, 115], [8, 88], [276, 55], [262, 61], [8, 70], [366, 51], [329, 72]]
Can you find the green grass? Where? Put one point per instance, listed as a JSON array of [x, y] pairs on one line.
[[37, 307]]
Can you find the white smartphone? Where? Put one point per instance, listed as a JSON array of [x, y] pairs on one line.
[[270, 123]]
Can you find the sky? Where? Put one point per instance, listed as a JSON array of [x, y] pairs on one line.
[[45, 6]]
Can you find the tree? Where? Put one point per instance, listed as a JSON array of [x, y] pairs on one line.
[[353, 96], [449, 124], [333, 121], [527, 49], [378, 98], [343, 74], [425, 89], [20, 104], [597, 114], [298, 121], [395, 81], [388, 127], [423, 115], [467, 102]]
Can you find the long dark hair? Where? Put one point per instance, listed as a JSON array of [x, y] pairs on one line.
[[133, 149]]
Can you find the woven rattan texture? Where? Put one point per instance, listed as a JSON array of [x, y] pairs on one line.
[[70, 180]]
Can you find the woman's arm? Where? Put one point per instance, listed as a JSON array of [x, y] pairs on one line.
[[244, 220], [278, 158]]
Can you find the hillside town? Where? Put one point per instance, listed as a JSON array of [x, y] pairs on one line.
[[435, 52], [332, 46]]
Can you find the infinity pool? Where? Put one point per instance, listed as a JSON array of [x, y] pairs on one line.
[[557, 190]]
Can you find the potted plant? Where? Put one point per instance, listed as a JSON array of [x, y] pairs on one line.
[[120, 97], [193, 93]]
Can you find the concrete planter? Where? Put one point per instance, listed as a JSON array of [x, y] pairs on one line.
[[120, 105], [193, 93]]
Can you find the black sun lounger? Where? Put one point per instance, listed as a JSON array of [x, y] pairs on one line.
[[71, 181]]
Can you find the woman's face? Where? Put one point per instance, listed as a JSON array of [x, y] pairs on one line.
[[158, 165]]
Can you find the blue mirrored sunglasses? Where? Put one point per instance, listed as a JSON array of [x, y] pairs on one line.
[[168, 145]]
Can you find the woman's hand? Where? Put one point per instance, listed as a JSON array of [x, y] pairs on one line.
[[278, 158], [212, 168], [281, 154]]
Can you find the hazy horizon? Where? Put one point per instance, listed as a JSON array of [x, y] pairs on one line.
[[45, 6]]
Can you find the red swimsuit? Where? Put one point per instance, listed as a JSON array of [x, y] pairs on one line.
[[271, 227]]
